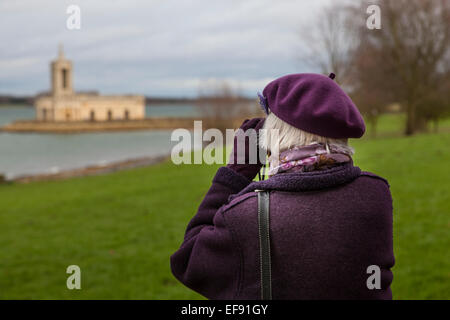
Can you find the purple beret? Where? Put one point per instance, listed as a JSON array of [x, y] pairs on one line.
[[314, 103]]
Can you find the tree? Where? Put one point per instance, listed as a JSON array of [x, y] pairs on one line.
[[329, 46], [412, 51], [436, 104], [407, 61], [220, 104]]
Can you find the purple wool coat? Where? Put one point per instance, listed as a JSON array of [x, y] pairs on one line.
[[326, 228]]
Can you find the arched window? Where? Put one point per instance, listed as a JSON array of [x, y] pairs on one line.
[[109, 115], [127, 114], [64, 78], [92, 115]]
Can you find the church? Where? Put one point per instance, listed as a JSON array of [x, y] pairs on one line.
[[63, 104]]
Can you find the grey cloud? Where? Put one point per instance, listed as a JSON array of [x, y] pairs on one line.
[[152, 47]]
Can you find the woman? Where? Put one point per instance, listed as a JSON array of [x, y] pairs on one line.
[[329, 225]]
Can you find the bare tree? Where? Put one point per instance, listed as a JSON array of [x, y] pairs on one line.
[[370, 90], [412, 47], [367, 92], [220, 105], [407, 61], [435, 105], [335, 45], [329, 45]]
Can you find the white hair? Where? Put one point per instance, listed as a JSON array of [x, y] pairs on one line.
[[279, 136]]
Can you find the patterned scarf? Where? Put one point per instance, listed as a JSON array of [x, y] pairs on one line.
[[312, 157]]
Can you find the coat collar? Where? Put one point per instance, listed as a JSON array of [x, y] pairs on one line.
[[305, 181]]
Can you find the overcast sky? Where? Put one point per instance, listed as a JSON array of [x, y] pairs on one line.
[[157, 48]]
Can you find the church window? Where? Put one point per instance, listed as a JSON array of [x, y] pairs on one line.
[[64, 78]]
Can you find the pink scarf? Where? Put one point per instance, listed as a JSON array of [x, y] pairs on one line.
[[308, 158]]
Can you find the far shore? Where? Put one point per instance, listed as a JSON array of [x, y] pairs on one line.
[[154, 123]]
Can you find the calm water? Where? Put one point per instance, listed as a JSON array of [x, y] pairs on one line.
[[24, 153]]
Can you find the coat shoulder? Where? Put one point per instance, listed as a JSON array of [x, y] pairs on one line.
[[238, 200], [371, 175], [373, 187]]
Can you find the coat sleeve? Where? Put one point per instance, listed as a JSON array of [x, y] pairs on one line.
[[208, 259]]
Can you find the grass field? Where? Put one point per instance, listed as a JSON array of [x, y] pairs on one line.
[[121, 228]]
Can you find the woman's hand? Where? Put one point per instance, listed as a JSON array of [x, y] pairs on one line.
[[244, 163]]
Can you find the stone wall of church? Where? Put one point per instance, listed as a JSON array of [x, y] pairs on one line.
[[80, 107]]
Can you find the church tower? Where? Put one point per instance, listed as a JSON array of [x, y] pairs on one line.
[[63, 104], [61, 70]]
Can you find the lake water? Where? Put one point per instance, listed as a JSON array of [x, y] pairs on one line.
[[31, 153]]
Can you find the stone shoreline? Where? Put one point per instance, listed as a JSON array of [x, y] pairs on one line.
[[92, 170], [166, 123]]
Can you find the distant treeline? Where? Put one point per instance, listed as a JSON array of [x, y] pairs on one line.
[[163, 100], [166, 100], [9, 99], [16, 100]]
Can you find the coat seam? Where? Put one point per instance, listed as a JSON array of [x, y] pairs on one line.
[[374, 176]]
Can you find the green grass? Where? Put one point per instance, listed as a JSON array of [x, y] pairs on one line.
[[394, 123], [121, 228], [419, 175]]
